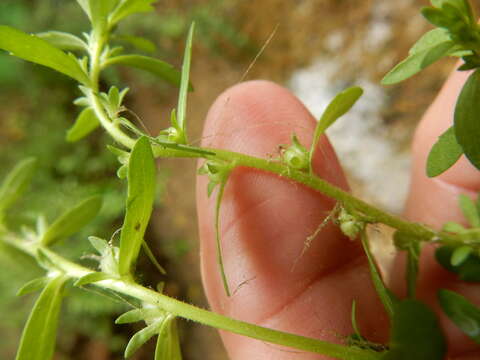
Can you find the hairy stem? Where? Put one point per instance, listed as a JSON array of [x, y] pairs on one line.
[[190, 312]]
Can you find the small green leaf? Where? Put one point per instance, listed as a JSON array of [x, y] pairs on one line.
[[84, 4], [463, 313], [45, 260], [33, 286], [86, 122], [444, 154], [141, 194], [184, 84], [453, 227], [468, 270], [355, 327], [428, 40], [16, 182], [460, 255], [73, 220], [415, 333], [157, 67], [168, 344], [470, 211], [99, 244], [467, 129], [386, 297], [142, 337], [136, 315], [129, 7], [218, 239], [417, 62], [63, 40], [92, 278], [139, 42], [39, 334], [339, 106], [99, 11], [39, 51]]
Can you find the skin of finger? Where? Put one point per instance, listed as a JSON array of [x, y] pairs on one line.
[[434, 201], [265, 221]]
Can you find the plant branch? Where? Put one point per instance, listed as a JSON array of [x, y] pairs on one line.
[[190, 312]]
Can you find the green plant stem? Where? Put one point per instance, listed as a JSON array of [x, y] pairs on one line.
[[202, 316], [314, 182]]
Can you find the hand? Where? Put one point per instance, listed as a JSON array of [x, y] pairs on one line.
[[265, 221]]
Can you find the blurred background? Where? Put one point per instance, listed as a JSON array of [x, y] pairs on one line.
[[318, 48]]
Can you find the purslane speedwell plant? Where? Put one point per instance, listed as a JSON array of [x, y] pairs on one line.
[[415, 333]]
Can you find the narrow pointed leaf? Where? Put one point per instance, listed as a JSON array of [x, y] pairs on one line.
[[141, 338], [99, 11], [39, 51], [467, 126], [16, 182], [86, 122], [139, 42], [469, 209], [168, 344], [63, 40], [460, 255], [141, 194], [73, 220], [84, 4], [386, 296], [39, 334], [92, 278], [339, 106], [99, 244], [33, 286], [417, 62], [136, 315], [411, 245], [415, 333], [218, 239], [430, 39], [156, 67], [185, 81], [463, 313], [444, 154], [129, 7]]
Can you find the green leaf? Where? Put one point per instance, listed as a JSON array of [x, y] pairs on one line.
[[92, 278], [415, 333], [129, 7], [39, 51], [444, 154], [218, 239], [139, 42], [158, 68], [39, 334], [63, 40], [142, 337], [339, 106], [84, 4], [468, 270], [470, 211], [33, 286], [141, 194], [184, 84], [412, 247], [86, 122], [99, 11], [417, 62], [72, 220], [386, 297], [463, 313], [467, 126], [168, 344], [460, 255], [136, 315], [16, 183], [429, 39]]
